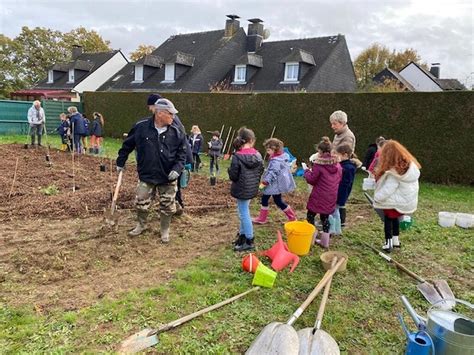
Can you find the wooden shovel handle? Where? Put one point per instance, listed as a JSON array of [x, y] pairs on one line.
[[184, 319], [322, 306], [327, 276], [116, 192]]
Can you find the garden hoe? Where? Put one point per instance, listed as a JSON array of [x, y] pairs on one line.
[[315, 341], [110, 219], [282, 338], [149, 337], [437, 291]]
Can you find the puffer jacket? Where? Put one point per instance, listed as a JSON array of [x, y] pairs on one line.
[[325, 177], [245, 170], [399, 192], [78, 124], [278, 177], [345, 186], [215, 148]]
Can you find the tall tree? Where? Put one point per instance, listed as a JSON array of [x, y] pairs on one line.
[[9, 72], [141, 51], [90, 41], [377, 57]]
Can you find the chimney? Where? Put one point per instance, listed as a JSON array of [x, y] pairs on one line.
[[254, 35], [232, 25], [76, 51], [435, 69]]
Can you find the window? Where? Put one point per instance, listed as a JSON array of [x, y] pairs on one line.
[[71, 76], [169, 73], [50, 76], [240, 73], [138, 73], [291, 72]]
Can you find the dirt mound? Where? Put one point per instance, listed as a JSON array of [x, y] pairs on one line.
[[47, 191]]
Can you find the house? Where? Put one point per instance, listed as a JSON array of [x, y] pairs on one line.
[[414, 77], [232, 60], [85, 72]]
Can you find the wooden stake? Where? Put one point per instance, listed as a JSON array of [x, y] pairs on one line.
[[14, 178]]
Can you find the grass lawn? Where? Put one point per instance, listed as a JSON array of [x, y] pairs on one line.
[[360, 314]]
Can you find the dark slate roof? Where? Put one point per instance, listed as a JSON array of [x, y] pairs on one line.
[[151, 61], [87, 63], [251, 59], [388, 73], [213, 56], [300, 56], [450, 84]]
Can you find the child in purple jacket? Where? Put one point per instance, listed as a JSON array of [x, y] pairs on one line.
[[324, 176], [276, 180]]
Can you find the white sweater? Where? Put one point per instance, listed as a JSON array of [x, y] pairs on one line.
[[399, 192]]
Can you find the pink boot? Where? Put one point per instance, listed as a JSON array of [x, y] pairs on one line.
[[324, 241], [290, 214], [262, 217]]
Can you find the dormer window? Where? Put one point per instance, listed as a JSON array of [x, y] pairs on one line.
[[169, 73], [291, 72], [50, 77], [71, 76], [138, 74], [240, 74]]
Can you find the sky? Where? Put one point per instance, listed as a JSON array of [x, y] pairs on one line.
[[441, 31]]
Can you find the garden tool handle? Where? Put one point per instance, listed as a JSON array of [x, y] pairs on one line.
[[327, 276], [322, 306], [116, 192], [184, 319]]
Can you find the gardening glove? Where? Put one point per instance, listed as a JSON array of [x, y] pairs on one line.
[[120, 168], [188, 166], [209, 144], [173, 175]]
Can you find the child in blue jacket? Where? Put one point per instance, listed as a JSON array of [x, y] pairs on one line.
[[349, 168]]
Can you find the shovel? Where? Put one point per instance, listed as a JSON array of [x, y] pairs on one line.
[[377, 210], [149, 337], [437, 291], [48, 157], [315, 341], [281, 338], [25, 146], [227, 156], [110, 219]]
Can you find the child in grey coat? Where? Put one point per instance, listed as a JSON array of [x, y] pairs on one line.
[[276, 180]]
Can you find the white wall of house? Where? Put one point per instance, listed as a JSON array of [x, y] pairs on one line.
[[102, 74], [420, 81]]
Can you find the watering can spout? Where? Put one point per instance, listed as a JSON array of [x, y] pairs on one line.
[[404, 326]]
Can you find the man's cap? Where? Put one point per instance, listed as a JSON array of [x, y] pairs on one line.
[[165, 105], [152, 99]]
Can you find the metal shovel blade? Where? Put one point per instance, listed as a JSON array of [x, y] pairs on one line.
[[445, 291], [439, 293], [318, 343], [276, 338], [138, 342]]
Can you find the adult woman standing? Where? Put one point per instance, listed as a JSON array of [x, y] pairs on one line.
[[343, 135]]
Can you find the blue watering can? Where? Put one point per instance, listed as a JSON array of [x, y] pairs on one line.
[[420, 342]]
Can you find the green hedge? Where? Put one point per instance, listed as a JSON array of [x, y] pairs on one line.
[[436, 127]]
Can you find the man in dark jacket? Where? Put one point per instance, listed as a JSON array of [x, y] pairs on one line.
[[161, 146]]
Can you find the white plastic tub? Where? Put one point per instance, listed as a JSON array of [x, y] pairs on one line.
[[446, 219], [465, 220]]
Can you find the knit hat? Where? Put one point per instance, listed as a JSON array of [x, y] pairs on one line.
[[165, 105], [152, 99]]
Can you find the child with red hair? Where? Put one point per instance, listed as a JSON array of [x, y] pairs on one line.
[[396, 191]]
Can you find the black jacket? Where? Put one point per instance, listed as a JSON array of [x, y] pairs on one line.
[[96, 128], [369, 155], [245, 171], [157, 155]]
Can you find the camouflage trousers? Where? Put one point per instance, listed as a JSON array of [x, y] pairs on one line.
[[146, 193]]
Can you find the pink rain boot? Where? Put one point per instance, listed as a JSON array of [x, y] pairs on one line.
[[290, 214], [262, 217], [324, 241]]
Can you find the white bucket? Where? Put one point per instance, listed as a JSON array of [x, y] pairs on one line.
[[446, 219], [368, 184], [465, 220]]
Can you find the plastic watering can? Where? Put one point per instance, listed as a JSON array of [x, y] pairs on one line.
[[418, 343]]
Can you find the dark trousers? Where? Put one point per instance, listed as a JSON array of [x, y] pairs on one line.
[[391, 227], [196, 162], [276, 198], [214, 160], [310, 216]]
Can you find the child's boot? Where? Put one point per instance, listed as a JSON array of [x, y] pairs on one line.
[[396, 242], [91, 150], [290, 214], [63, 147], [324, 241], [342, 213], [388, 245], [239, 239], [262, 217], [246, 245]]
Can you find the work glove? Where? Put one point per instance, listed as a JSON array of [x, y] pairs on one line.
[[209, 144], [173, 175], [188, 166], [120, 168]]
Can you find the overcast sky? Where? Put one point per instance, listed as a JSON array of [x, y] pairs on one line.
[[441, 31]]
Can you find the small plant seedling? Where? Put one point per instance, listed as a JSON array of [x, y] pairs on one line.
[[50, 190]]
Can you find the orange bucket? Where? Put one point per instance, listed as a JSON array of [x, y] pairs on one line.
[[299, 235]]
